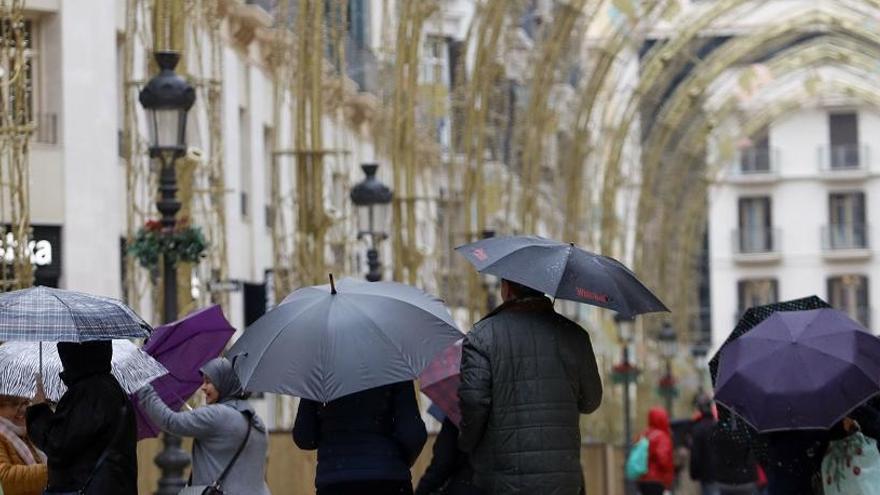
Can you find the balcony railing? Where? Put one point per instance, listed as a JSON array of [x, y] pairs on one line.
[[756, 240], [845, 236], [844, 158], [757, 161]]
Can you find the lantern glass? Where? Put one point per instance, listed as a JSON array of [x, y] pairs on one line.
[[364, 225], [168, 128], [625, 330], [381, 218]]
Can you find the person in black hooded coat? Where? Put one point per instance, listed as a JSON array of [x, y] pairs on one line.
[[450, 472], [92, 414]]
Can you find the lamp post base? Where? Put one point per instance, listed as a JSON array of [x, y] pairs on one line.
[[171, 461]]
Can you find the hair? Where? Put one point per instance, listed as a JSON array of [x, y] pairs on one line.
[[522, 291]]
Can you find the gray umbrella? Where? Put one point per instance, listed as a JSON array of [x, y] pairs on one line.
[[20, 364], [322, 342], [56, 315], [563, 271]]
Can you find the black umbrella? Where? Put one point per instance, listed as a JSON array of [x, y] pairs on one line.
[[737, 430], [563, 271]]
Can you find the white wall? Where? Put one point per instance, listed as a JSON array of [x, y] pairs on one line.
[[88, 116]]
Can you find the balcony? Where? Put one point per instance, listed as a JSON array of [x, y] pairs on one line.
[[846, 241], [756, 166], [756, 245], [845, 161]]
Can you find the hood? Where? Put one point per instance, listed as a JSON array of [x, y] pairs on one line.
[[222, 374], [84, 359], [658, 419]]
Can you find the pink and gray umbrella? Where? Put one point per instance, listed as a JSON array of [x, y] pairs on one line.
[[799, 370], [563, 271], [183, 347], [328, 341], [440, 381]]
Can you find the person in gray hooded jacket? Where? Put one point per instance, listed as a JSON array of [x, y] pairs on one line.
[[218, 428]]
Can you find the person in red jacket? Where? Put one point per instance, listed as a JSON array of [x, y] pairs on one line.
[[661, 466]]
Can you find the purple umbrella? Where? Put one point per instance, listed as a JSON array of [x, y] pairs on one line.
[[799, 370], [183, 347]]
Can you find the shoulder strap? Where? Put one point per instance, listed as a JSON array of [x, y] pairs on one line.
[[250, 422], [122, 413]]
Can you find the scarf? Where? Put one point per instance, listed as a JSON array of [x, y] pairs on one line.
[[14, 434], [220, 371]]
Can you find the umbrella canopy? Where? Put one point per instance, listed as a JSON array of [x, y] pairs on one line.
[[440, 381], [799, 370], [184, 346], [325, 342], [563, 271], [738, 430], [56, 315], [20, 364]]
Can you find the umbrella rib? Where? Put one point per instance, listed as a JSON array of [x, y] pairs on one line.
[[564, 269]]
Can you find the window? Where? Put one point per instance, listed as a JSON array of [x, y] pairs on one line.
[[757, 292], [244, 147], [358, 19], [849, 293], [844, 136], [435, 61], [268, 165], [18, 98], [755, 225], [847, 228], [756, 158]]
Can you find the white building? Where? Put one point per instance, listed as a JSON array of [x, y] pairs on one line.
[[793, 216]]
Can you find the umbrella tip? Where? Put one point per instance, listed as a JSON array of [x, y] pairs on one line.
[[332, 285]]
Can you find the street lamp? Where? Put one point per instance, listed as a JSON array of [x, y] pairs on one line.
[[372, 199], [699, 351], [167, 98], [625, 373], [668, 350]]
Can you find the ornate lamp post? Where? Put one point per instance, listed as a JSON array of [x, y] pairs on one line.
[[699, 351], [372, 199], [668, 350], [625, 373], [167, 98]]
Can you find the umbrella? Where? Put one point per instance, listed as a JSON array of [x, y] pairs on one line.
[[799, 370], [563, 271], [184, 346], [322, 344], [440, 381], [739, 431], [45, 314], [20, 364]]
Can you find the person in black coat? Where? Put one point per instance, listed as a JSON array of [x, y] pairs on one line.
[[94, 415], [366, 441], [702, 459], [450, 472]]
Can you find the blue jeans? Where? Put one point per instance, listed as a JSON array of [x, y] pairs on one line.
[[709, 489]]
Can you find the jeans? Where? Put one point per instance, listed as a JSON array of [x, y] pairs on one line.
[[650, 488], [377, 487], [746, 489], [709, 489]]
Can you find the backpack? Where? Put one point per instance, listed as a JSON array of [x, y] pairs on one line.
[[851, 466], [637, 462]]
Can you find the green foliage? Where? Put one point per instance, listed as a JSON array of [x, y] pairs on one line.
[[184, 244]]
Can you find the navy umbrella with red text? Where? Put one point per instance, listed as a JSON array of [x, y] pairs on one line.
[[563, 271]]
